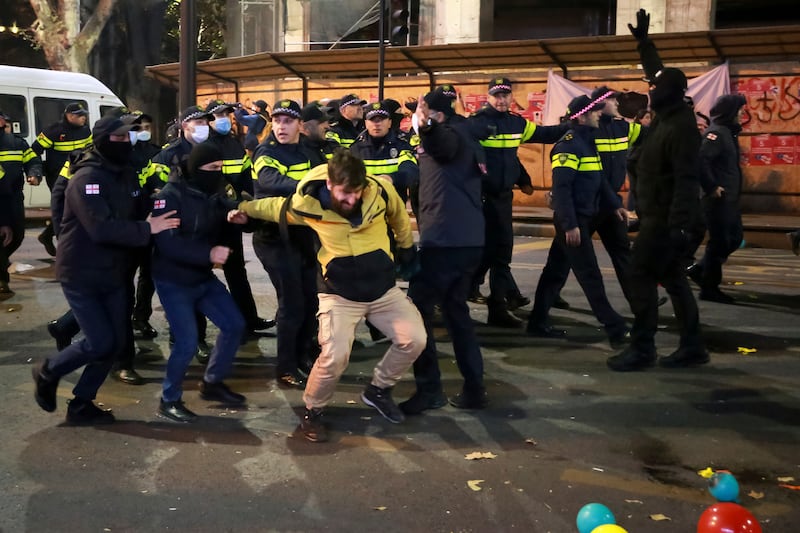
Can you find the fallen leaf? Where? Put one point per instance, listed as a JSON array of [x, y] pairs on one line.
[[707, 473], [634, 501], [479, 455], [790, 487], [659, 517], [738, 282], [746, 351], [351, 402], [475, 484], [381, 508], [755, 495], [531, 441], [785, 479]]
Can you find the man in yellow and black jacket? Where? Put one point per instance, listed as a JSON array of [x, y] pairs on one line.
[[17, 163], [501, 132], [351, 214], [56, 141], [579, 191]]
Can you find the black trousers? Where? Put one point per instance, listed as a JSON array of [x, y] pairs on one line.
[[499, 247], [446, 278], [17, 224], [583, 263], [655, 260], [143, 306], [725, 232], [295, 282], [238, 285]]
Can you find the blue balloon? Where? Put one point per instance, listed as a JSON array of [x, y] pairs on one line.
[[724, 487], [593, 515]]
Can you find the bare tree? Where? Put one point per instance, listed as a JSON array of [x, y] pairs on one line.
[[58, 32]]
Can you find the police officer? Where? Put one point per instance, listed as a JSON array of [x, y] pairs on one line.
[[451, 246], [579, 189], [384, 153], [316, 121], [667, 195], [183, 259], [289, 258], [237, 169], [18, 164], [98, 231], [721, 179], [501, 132], [56, 142], [350, 122]]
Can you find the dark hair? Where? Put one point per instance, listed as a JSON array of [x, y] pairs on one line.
[[344, 168], [641, 114]]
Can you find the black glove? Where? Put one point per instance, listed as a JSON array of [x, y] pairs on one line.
[[407, 262], [642, 25]]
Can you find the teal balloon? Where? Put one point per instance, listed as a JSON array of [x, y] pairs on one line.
[[724, 487], [593, 515]]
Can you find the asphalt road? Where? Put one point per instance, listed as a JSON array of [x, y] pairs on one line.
[[563, 430]]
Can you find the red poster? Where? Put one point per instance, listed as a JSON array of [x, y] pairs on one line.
[[535, 109], [760, 150], [473, 102], [784, 149]]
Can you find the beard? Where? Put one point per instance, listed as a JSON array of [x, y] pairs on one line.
[[344, 211]]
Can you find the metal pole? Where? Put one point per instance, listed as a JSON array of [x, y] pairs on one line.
[[187, 95], [381, 47]]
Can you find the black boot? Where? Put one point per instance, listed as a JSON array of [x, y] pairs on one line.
[[312, 427], [46, 386], [499, 316], [85, 413]]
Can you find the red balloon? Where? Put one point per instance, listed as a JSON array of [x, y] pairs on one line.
[[727, 518]]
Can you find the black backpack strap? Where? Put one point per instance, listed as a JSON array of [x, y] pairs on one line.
[[283, 224]]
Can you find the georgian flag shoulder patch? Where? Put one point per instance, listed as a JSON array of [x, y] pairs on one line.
[[92, 188], [159, 204], [711, 136]]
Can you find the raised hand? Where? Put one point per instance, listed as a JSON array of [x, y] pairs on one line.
[[642, 25]]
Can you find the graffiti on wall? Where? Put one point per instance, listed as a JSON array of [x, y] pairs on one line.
[[773, 112]]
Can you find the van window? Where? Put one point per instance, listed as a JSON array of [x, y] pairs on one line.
[[16, 107], [50, 110], [106, 108]]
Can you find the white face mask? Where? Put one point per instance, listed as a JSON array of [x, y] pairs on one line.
[[143, 136], [133, 136], [200, 134]]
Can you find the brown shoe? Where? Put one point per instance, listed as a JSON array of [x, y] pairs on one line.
[[312, 427]]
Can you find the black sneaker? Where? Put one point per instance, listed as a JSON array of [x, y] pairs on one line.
[[260, 324], [476, 297], [86, 413], [203, 352], [466, 400], [144, 330], [716, 295], [312, 427], [501, 318], [128, 376], [45, 387], [47, 241], [62, 339], [560, 303], [695, 273], [219, 392], [619, 339], [631, 359], [685, 357], [381, 399], [422, 401], [175, 411], [515, 301]]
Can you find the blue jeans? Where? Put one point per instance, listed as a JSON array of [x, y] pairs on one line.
[[180, 302], [102, 313]]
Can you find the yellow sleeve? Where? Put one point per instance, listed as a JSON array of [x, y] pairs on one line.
[[269, 209], [397, 216]]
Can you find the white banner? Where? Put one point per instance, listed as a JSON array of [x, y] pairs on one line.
[[704, 90]]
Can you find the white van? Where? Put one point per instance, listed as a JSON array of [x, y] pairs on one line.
[[35, 98]]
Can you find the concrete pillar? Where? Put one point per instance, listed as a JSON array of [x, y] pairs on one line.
[[455, 21], [298, 23], [667, 16]]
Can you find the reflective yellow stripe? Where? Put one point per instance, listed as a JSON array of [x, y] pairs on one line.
[[153, 169], [381, 166], [634, 131], [527, 133], [407, 155], [44, 141], [28, 155], [612, 145], [296, 171], [565, 160], [502, 140], [232, 166], [333, 136], [67, 174], [590, 163], [68, 146], [414, 140], [11, 156]]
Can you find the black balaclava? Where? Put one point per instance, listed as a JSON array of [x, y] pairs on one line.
[[208, 181], [669, 87], [118, 152]]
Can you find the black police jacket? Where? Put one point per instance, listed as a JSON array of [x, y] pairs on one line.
[[500, 134], [236, 165], [667, 182], [719, 161], [167, 164], [614, 138], [579, 187], [99, 228], [450, 208], [389, 156], [345, 132], [59, 140], [183, 255], [16, 160]]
